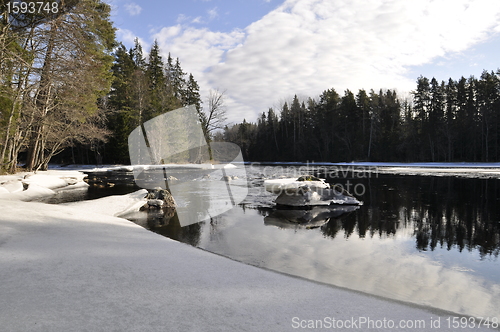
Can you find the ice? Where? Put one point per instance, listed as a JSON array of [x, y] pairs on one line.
[[277, 186], [47, 181]]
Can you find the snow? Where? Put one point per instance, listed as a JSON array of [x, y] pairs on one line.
[[443, 171], [114, 205], [77, 267], [277, 186], [39, 184]]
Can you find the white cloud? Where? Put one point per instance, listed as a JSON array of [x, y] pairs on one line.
[[304, 47], [199, 50], [181, 18], [197, 20], [212, 13], [133, 9]]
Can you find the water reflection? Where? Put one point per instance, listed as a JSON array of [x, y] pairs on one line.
[[426, 240], [441, 212], [306, 218]]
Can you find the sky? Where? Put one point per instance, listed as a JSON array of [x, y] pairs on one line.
[[263, 52]]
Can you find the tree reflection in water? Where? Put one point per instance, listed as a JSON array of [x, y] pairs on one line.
[[443, 212], [438, 212]]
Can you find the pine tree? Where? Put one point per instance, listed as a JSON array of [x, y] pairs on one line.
[[363, 103], [75, 73]]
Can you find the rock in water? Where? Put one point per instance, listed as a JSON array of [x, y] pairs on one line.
[[307, 197], [162, 195], [155, 203]]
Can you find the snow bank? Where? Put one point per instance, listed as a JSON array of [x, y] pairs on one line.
[[113, 205], [64, 270], [28, 186]]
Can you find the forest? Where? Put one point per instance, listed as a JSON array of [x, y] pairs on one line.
[[71, 93], [453, 121]]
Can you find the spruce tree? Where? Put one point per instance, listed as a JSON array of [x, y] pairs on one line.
[[123, 118], [137, 55], [156, 82]]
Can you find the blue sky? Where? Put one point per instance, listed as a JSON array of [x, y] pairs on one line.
[[262, 52]]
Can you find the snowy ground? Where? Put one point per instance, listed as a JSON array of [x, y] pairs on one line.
[[79, 268], [29, 186]]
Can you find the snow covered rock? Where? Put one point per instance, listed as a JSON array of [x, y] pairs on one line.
[[12, 186], [158, 198], [308, 191], [155, 203], [278, 186]]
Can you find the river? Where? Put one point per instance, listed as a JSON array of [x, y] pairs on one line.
[[427, 240]]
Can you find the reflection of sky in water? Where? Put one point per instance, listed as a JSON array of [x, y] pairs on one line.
[[404, 255], [389, 267], [471, 262]]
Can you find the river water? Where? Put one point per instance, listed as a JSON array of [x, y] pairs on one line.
[[427, 240]]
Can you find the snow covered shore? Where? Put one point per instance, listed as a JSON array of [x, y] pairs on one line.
[[79, 268], [29, 186]]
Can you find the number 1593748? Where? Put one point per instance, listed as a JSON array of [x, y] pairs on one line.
[[32, 7]]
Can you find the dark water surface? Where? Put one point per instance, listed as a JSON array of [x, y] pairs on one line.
[[422, 239]]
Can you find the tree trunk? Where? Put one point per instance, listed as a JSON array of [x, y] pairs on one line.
[[42, 104]]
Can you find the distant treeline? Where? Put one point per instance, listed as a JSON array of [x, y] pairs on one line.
[[447, 121]]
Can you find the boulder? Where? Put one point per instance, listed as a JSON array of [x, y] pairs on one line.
[[162, 195]]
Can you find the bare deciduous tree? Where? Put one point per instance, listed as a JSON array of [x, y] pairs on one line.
[[215, 115]]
